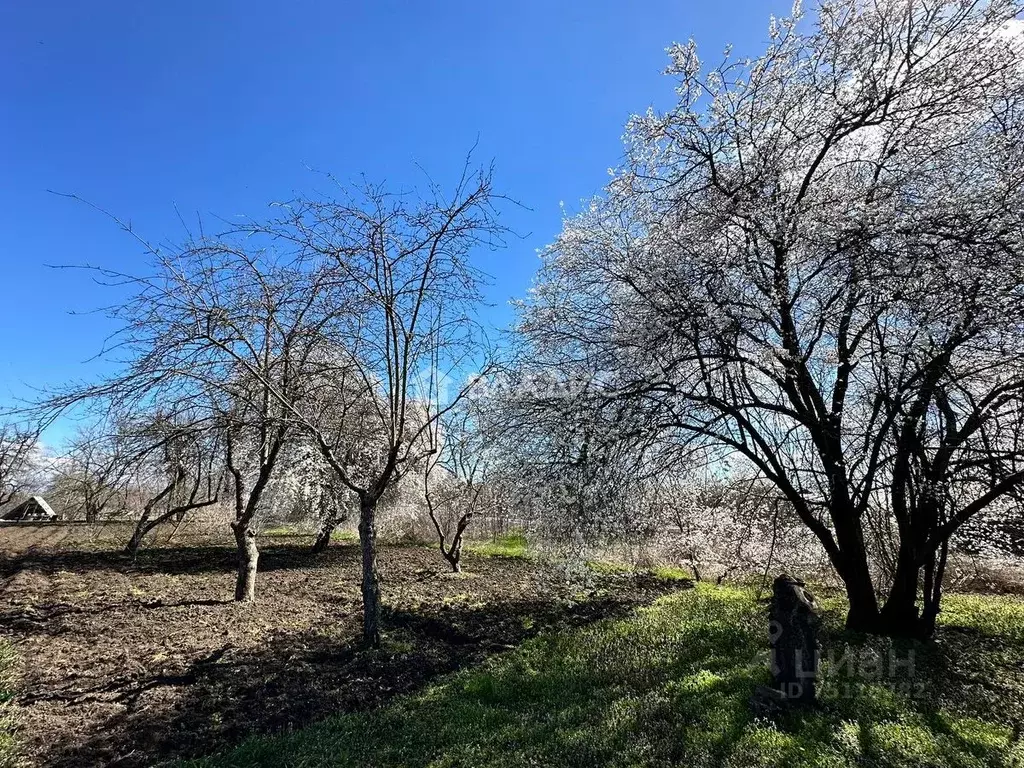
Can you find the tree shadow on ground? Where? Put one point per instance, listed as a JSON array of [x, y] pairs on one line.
[[671, 687], [170, 560], [298, 678]]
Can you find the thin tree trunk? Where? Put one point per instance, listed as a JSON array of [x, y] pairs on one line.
[[144, 525], [132, 548], [147, 524], [371, 577], [323, 536], [933, 591], [453, 558], [454, 553], [248, 557]]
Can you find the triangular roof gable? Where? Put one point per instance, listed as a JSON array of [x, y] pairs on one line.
[[44, 506], [31, 504]]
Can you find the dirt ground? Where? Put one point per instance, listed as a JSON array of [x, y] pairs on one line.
[[133, 663]]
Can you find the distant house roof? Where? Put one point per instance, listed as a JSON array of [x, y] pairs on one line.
[[32, 508]]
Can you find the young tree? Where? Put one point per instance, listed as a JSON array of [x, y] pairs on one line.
[[337, 504], [404, 292], [454, 481], [815, 260]]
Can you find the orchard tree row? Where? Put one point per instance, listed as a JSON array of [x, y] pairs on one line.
[[809, 270]]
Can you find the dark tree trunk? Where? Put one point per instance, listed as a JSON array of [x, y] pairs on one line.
[[323, 536], [454, 553], [371, 577], [453, 559], [899, 616], [145, 524], [248, 557], [132, 548], [933, 590], [854, 571]]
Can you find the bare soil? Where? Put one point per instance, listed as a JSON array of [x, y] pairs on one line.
[[133, 663]]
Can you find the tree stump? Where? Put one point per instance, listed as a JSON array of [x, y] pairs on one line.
[[793, 630], [794, 636]]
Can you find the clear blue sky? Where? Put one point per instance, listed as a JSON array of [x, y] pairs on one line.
[[219, 107]]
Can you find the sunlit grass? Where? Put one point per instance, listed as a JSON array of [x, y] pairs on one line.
[[508, 545], [672, 573], [671, 686], [663, 572]]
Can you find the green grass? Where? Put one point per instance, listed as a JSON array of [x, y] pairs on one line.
[[509, 545], [672, 573], [671, 687], [8, 742]]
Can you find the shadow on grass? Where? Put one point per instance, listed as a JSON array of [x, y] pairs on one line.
[[668, 687]]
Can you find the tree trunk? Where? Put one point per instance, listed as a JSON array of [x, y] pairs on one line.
[[860, 592], [933, 590], [323, 536], [899, 616], [454, 561], [248, 557], [854, 571], [132, 548], [454, 554], [371, 578]]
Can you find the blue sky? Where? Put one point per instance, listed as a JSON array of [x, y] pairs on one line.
[[219, 107]]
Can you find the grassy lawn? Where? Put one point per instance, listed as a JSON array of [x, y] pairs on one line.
[[508, 545], [671, 687]]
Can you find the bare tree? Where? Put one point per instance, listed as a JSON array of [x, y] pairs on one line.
[[225, 326], [814, 260], [336, 508], [185, 466], [343, 318], [403, 277], [93, 473], [453, 481], [17, 442]]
